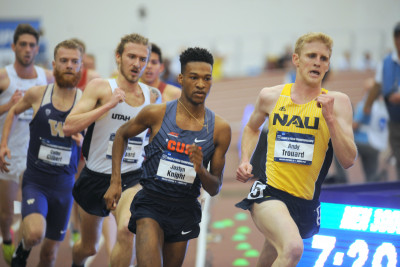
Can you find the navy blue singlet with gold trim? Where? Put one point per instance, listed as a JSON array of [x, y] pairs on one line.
[[50, 152]]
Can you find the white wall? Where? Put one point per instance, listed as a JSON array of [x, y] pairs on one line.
[[244, 31]]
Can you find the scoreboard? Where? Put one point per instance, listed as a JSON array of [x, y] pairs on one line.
[[360, 226]]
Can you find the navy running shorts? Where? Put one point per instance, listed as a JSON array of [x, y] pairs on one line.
[[305, 213], [54, 204], [91, 186], [179, 219]]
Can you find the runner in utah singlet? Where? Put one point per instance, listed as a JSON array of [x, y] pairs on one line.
[[98, 151]]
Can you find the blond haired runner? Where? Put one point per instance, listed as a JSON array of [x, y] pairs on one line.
[[306, 124], [105, 105]]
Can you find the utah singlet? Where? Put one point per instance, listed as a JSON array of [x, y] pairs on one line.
[[299, 148], [19, 139], [97, 147], [168, 170]]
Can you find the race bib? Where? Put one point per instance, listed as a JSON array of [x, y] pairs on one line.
[[294, 148], [176, 168], [26, 115], [133, 149], [54, 154], [257, 190]]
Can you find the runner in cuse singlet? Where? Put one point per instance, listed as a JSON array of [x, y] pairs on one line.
[[302, 139], [167, 165]]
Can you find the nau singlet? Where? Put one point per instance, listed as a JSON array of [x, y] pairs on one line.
[[299, 147]]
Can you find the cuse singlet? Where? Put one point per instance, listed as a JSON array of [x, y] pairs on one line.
[[299, 148], [168, 169]]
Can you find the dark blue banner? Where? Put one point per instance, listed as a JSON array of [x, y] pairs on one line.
[[7, 28], [354, 236]]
